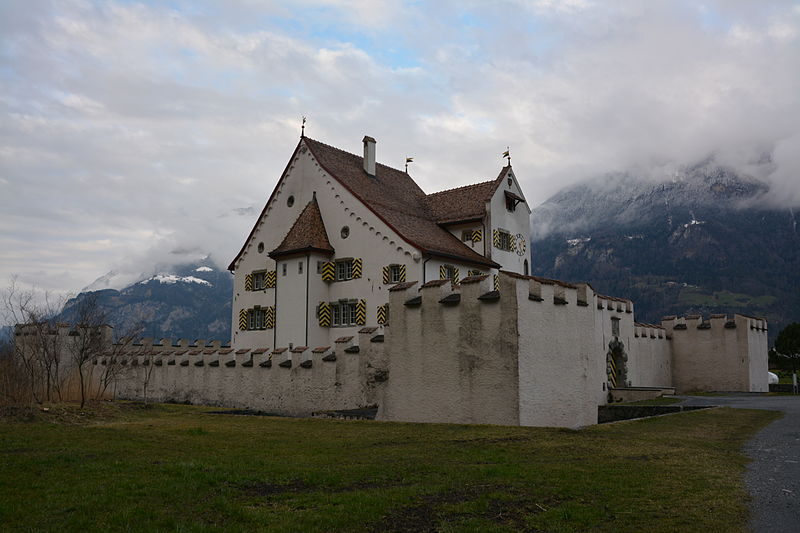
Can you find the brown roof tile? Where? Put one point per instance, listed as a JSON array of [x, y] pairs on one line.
[[395, 198], [306, 235], [463, 203]]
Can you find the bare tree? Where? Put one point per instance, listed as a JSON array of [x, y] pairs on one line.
[[91, 336], [36, 350]]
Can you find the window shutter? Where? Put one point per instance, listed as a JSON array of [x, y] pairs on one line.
[[477, 235], [512, 244], [269, 319], [442, 272], [496, 238], [455, 274], [496, 282], [361, 312], [243, 319], [272, 279], [248, 282], [383, 311], [386, 272], [357, 267], [324, 314], [328, 271], [402, 274]]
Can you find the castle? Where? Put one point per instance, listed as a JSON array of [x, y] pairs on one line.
[[356, 288]]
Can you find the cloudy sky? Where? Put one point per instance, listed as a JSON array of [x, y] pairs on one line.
[[137, 133]]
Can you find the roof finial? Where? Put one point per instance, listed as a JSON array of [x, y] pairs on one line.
[[303, 128], [408, 160], [507, 154]]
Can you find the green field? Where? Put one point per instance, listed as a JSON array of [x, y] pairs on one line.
[[180, 468]]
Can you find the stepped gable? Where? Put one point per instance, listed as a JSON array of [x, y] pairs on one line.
[[397, 200], [463, 204], [307, 234]]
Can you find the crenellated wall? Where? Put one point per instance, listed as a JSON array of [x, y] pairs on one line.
[[498, 349], [723, 353], [295, 381]]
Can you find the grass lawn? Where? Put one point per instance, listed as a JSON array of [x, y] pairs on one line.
[[179, 468]]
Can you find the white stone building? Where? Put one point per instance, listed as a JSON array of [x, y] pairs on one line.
[[338, 230]]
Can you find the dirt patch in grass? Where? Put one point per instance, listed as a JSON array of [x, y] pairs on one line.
[[430, 512], [72, 413]]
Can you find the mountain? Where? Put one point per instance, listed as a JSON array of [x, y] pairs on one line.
[[188, 301], [702, 241]]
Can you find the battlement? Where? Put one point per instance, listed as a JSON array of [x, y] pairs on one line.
[[713, 322], [294, 380]]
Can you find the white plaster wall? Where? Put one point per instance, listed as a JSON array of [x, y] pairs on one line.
[[652, 359], [479, 247], [514, 222], [369, 238], [757, 356], [716, 359], [347, 383], [455, 363], [603, 324], [558, 359]]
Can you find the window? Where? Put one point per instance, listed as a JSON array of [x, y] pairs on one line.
[[259, 281], [505, 241], [345, 232], [260, 247], [395, 274], [256, 319], [343, 314], [466, 235], [290, 201], [344, 269], [300, 267], [448, 272], [511, 204], [319, 266], [283, 269], [525, 267]]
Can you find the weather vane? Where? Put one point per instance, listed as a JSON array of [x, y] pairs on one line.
[[408, 160], [303, 127], [507, 154]]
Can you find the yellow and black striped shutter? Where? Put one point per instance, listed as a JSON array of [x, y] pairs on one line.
[[442, 272], [402, 273], [272, 279], [324, 314], [248, 282], [383, 311], [358, 267], [328, 271], [361, 312], [386, 273], [477, 235], [496, 282], [496, 238], [473, 272], [269, 321], [456, 274], [512, 242], [243, 320]]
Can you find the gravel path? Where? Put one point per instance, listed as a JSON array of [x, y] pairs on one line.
[[773, 477]]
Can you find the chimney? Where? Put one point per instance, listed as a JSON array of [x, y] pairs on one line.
[[369, 155]]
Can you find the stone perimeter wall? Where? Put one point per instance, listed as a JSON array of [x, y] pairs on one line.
[[295, 382], [515, 350]]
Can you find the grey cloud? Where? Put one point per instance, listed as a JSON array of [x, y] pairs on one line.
[[129, 131]]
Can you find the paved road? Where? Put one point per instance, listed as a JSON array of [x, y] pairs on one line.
[[773, 478]]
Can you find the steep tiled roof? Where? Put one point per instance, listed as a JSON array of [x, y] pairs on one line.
[[396, 199], [463, 203], [306, 235]]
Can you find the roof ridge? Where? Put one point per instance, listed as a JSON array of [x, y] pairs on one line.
[[463, 187], [355, 155]]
